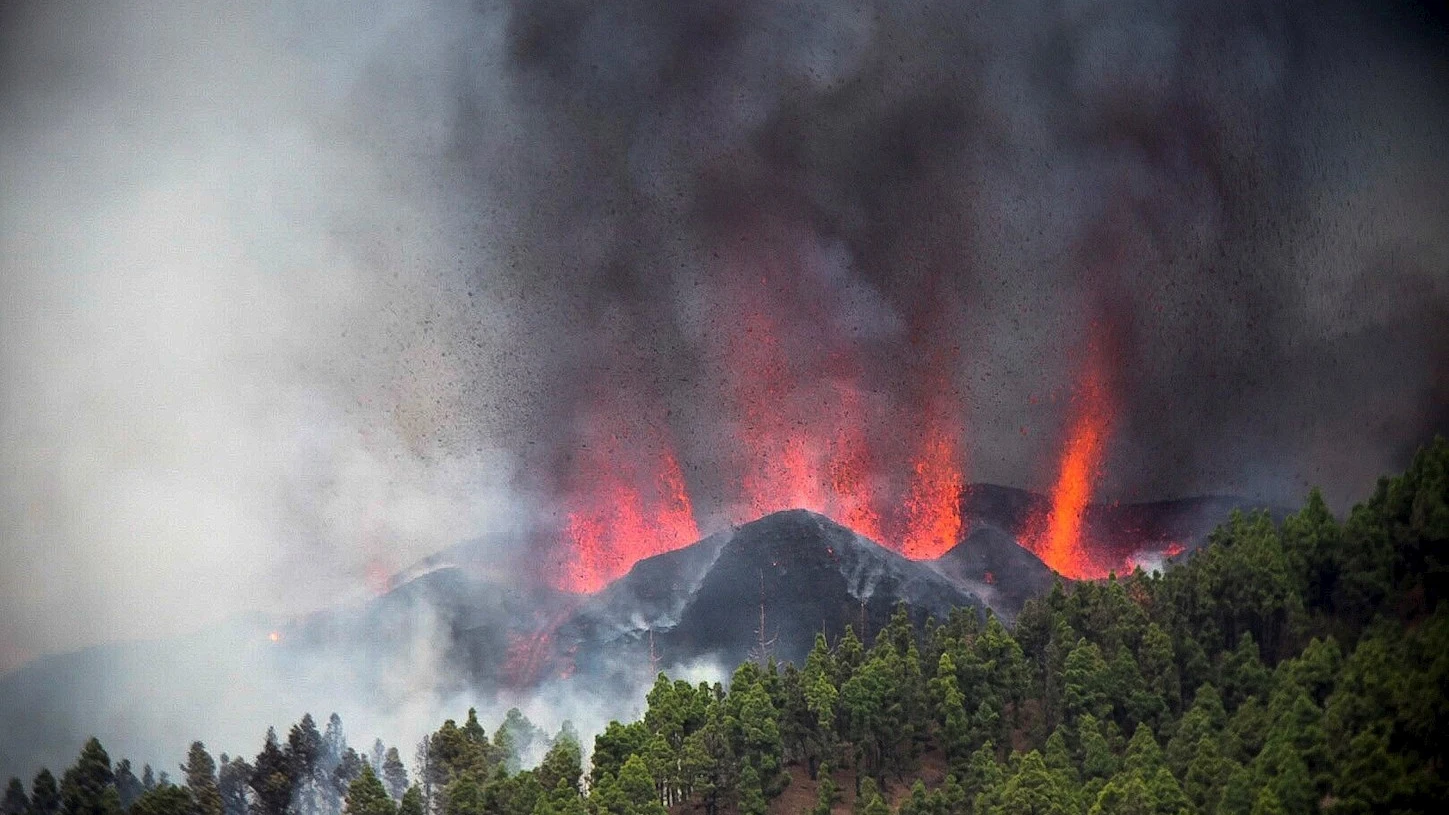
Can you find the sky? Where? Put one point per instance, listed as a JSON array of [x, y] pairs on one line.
[[294, 295]]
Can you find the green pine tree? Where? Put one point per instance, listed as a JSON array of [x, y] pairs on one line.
[[16, 802], [44, 794], [412, 801], [367, 796], [88, 787], [200, 773], [164, 799]]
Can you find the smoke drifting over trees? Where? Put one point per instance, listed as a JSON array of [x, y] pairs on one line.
[[292, 297]]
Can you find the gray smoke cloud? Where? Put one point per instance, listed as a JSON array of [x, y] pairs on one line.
[[1248, 201], [241, 366], [294, 296]]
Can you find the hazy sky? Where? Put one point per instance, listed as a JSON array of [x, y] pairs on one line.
[[288, 295]]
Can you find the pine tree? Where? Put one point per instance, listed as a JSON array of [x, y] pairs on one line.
[[366, 795], [164, 799], [637, 790], [1125, 794], [1249, 725], [1281, 768], [827, 792], [412, 802], [463, 795], [128, 786], [1037, 790], [919, 802], [563, 763], [44, 794], [1159, 666], [349, 769], [1167, 792], [751, 792], [272, 779], [1312, 541], [233, 780], [1205, 717], [1084, 682], [1267, 803], [515, 738], [473, 730], [1243, 672], [1208, 774], [334, 745], [1143, 754], [953, 797], [88, 788], [869, 801], [1239, 794], [849, 655], [1058, 757], [822, 703], [983, 773], [614, 746], [16, 802], [1098, 761], [200, 772], [394, 774], [305, 750]]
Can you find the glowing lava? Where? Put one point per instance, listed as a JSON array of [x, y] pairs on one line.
[[849, 470], [799, 430], [782, 459], [637, 507], [933, 508], [1058, 537]]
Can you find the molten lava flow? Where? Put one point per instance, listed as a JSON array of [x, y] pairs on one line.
[[1057, 539], [933, 508], [531, 651]]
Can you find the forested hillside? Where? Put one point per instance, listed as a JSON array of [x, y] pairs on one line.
[[1293, 668]]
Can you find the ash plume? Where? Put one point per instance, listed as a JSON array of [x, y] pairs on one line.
[[1248, 199]]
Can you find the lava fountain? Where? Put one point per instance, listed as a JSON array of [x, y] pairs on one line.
[[1058, 536], [631, 503]]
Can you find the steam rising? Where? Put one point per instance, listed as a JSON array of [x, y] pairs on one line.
[[289, 297]]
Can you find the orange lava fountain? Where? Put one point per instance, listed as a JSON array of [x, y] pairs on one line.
[[933, 507], [1058, 537], [800, 438], [849, 470], [637, 507]]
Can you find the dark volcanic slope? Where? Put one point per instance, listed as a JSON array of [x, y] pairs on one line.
[[1118, 530], [704, 601], [992, 564]]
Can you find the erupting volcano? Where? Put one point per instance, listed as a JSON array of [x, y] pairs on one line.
[[799, 419], [800, 427], [630, 502]]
